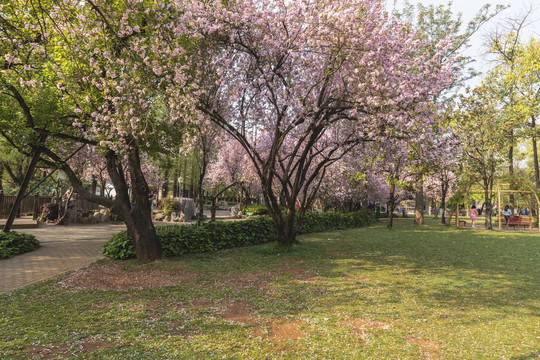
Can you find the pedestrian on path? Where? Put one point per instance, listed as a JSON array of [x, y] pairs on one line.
[[474, 214]]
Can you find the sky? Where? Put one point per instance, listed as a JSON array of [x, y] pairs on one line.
[[469, 8]]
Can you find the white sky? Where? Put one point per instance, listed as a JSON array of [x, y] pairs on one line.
[[469, 8]]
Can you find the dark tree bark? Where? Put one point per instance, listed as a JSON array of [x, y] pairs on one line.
[[535, 154], [419, 203], [444, 191], [176, 185], [137, 215], [17, 176], [214, 199], [165, 187], [23, 187], [511, 170], [94, 185], [488, 174], [391, 206], [1, 176]]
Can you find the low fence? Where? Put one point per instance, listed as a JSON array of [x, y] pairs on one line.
[[32, 204]]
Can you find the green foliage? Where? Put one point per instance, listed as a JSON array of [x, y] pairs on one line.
[[319, 222], [119, 247], [255, 210], [169, 205], [178, 240], [13, 243], [184, 239]]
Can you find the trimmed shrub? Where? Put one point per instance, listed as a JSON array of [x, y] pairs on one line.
[[183, 239], [255, 210], [14, 243], [49, 211], [320, 222], [169, 205]]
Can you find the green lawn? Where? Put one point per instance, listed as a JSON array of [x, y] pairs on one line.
[[428, 292]]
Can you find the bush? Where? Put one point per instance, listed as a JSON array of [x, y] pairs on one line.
[[49, 211], [183, 239], [120, 246], [14, 243], [169, 205], [255, 210], [320, 222]]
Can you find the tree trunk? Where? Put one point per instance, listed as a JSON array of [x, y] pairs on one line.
[[17, 179], [419, 203], [165, 187], [1, 176], [286, 230], [511, 171], [139, 222], [487, 201], [200, 190], [94, 185], [24, 185], [535, 155], [444, 191], [103, 187], [391, 206], [213, 199], [176, 185]]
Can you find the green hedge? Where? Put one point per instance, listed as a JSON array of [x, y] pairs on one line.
[[320, 222], [182, 239], [255, 210], [14, 243]]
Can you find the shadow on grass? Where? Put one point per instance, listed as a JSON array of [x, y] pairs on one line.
[[531, 356], [441, 265]]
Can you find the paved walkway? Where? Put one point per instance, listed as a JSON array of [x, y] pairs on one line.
[[63, 249]]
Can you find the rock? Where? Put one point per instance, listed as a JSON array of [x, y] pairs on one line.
[[187, 207], [181, 217], [222, 205], [159, 217], [234, 210]]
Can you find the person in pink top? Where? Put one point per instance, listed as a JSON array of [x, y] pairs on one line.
[[474, 214]]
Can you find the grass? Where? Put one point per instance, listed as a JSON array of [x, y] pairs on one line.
[[429, 292]]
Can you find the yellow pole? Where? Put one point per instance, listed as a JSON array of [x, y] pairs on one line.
[[538, 202]]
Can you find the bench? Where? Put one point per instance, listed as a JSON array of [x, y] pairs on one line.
[[462, 221], [517, 221]]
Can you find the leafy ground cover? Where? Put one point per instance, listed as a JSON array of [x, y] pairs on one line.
[[14, 243], [429, 292]]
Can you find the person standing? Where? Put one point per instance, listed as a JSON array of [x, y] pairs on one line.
[[474, 214], [507, 213]]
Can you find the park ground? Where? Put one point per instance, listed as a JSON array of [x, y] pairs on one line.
[[430, 292]]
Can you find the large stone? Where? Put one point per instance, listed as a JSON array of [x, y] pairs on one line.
[[159, 217], [179, 218], [187, 207], [234, 210], [222, 205]]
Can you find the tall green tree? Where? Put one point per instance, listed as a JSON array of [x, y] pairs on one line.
[[434, 24], [482, 131]]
